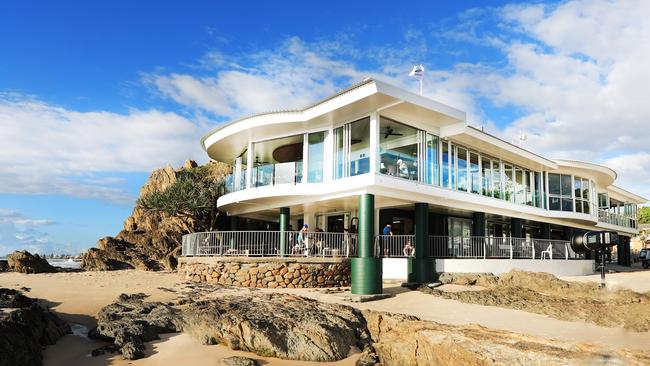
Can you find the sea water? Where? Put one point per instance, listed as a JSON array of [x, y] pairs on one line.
[[64, 263]]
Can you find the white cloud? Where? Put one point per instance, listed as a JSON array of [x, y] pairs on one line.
[[19, 232], [48, 149]]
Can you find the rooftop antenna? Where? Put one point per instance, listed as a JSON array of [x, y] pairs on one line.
[[522, 138], [418, 73]]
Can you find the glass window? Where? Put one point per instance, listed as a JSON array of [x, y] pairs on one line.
[[316, 153], [432, 160], [339, 153], [445, 164], [567, 204], [520, 193], [474, 173], [398, 149], [462, 169], [509, 184], [554, 184], [554, 203], [565, 182], [452, 167], [359, 147], [496, 178], [278, 161], [486, 171], [537, 197]]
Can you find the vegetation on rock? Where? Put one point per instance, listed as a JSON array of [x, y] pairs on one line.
[[151, 237]]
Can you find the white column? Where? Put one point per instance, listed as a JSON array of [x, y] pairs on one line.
[[249, 165], [374, 142], [237, 175]]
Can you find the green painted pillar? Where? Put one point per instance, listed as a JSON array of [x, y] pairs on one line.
[[516, 228], [284, 227], [366, 268], [421, 267]]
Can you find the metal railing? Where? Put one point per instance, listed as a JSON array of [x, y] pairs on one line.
[[498, 247], [322, 244], [616, 219], [267, 244]]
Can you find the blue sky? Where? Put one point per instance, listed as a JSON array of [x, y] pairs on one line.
[[93, 96]]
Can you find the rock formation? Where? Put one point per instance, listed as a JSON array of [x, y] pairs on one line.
[[25, 262], [4, 265], [278, 325], [130, 321], [149, 240], [25, 327]]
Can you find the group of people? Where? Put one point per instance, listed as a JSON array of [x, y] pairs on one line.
[[308, 244]]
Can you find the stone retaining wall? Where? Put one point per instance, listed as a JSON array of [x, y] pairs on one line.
[[267, 272]]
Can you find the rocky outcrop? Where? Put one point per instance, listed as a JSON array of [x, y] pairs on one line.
[[4, 265], [131, 321], [543, 293], [406, 340], [267, 273], [25, 262], [25, 327], [238, 361], [149, 240], [278, 325]]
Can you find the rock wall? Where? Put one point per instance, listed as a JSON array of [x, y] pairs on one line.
[[267, 272]]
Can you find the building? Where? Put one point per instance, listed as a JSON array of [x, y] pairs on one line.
[[375, 155]]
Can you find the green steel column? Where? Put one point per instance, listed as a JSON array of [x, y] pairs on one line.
[[366, 269], [284, 227], [421, 267]]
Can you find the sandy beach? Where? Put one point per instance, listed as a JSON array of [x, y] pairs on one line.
[[77, 297]]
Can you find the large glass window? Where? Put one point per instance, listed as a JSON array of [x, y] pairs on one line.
[[352, 149], [445, 164], [316, 156], [462, 169], [486, 171], [278, 161], [559, 190], [509, 184], [520, 191], [433, 167], [474, 173], [496, 179], [581, 192], [398, 149]]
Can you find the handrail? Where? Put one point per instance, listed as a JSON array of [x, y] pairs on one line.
[[326, 244]]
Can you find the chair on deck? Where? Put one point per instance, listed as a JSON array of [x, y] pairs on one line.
[[548, 252]]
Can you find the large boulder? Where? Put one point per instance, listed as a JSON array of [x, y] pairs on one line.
[[131, 321], [278, 325], [25, 262], [4, 265], [25, 327], [149, 240]]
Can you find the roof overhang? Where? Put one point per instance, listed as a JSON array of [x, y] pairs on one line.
[[491, 145], [228, 141], [625, 196]]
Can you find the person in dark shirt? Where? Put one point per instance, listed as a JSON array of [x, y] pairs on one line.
[[388, 230]]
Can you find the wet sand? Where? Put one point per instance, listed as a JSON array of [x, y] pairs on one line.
[[77, 297]]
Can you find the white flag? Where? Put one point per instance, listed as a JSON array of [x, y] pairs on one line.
[[417, 72]]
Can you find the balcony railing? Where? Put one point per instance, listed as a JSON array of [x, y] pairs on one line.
[[267, 244], [616, 219], [474, 247], [321, 244], [280, 173]]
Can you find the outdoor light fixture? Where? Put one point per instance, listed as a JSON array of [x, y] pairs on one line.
[[596, 241]]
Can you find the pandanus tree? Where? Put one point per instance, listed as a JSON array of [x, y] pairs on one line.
[[192, 198]]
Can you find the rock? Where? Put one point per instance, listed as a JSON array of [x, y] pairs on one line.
[[277, 325], [130, 321], [149, 240], [189, 164], [368, 358], [25, 327], [4, 265], [25, 262], [406, 340], [238, 361]]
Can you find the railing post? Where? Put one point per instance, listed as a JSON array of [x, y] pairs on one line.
[[484, 248], [566, 251], [284, 227], [532, 243], [511, 247]]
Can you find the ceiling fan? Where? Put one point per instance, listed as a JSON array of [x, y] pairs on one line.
[[258, 162], [390, 132]]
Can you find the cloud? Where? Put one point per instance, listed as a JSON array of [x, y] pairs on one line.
[[18, 232], [48, 149]]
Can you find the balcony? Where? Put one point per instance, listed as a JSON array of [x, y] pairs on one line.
[[612, 218]]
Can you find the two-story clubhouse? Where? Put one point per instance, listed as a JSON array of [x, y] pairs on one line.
[[456, 198]]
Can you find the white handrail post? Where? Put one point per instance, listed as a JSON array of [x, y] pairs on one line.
[[510, 246], [532, 243], [484, 248], [566, 251]]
